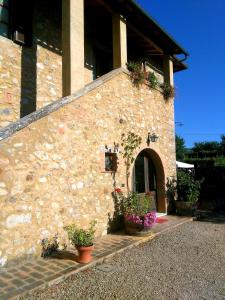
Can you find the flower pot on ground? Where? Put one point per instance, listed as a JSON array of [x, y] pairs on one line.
[[84, 254], [138, 216], [184, 208], [139, 224], [83, 240]]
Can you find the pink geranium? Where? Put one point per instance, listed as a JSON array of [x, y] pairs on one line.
[[148, 220]]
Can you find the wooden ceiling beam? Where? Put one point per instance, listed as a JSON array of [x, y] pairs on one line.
[[134, 30], [140, 34]]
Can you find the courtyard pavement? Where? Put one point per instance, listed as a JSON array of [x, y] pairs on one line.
[[41, 273], [184, 263]]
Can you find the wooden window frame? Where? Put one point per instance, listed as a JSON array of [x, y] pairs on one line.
[[114, 162]]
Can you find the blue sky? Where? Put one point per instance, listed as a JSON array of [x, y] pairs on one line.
[[198, 26]]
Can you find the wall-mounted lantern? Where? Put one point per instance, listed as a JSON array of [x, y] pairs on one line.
[[152, 138]]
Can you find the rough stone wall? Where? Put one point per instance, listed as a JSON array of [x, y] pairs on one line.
[[52, 172], [31, 77]]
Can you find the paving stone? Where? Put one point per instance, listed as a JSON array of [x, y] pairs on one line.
[[40, 269], [36, 275], [53, 277], [5, 275], [30, 280], [42, 263], [34, 285], [22, 275], [48, 273], [13, 293], [17, 282], [25, 269], [2, 284]]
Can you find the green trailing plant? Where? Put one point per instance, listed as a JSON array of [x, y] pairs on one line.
[[153, 80], [136, 72], [168, 91], [130, 143], [79, 236]]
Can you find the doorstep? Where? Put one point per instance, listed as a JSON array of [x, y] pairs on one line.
[[41, 273]]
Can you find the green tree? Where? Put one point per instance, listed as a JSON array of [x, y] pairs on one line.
[[180, 148], [222, 141], [206, 146]]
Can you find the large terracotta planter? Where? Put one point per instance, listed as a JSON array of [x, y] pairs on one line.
[[184, 208], [139, 225], [135, 229], [84, 254]]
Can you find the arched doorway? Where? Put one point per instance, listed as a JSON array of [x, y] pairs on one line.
[[149, 178]]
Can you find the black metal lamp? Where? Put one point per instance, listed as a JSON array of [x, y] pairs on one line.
[[152, 138]]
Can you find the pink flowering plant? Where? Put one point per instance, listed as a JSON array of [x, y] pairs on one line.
[[136, 209]]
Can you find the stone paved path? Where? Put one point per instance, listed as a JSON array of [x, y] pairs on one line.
[[38, 274], [185, 263]]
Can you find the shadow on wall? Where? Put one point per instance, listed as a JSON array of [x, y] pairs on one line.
[[28, 81], [46, 34]]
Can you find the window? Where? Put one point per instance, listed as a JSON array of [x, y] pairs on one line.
[[21, 16], [110, 162], [4, 18], [16, 20]]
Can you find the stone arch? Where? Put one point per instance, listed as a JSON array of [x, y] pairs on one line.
[[156, 161]]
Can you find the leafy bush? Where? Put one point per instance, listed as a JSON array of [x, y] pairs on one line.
[[188, 189], [134, 204], [136, 209], [136, 72], [153, 80], [168, 90], [79, 236]]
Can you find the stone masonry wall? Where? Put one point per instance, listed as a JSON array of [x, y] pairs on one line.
[[31, 77], [52, 171]]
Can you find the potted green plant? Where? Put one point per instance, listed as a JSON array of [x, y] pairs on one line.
[[83, 240], [152, 80], [188, 191], [138, 215], [136, 72], [168, 91]]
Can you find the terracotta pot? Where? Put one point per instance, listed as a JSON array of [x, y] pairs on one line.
[[84, 254], [135, 229]]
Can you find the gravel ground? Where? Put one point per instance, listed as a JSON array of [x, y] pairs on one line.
[[185, 263]]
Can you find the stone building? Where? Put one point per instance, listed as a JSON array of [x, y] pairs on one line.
[[66, 99]]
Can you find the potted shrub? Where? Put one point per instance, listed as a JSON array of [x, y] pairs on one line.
[[188, 191], [136, 209], [82, 239]]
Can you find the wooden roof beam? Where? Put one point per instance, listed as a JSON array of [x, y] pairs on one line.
[[146, 39]]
